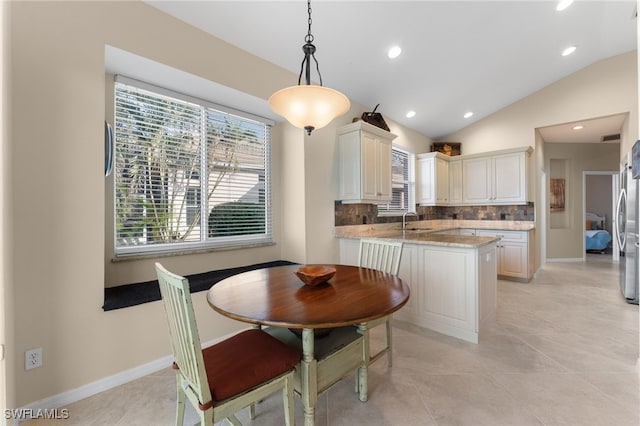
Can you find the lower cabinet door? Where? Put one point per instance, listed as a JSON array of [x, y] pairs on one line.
[[448, 290], [512, 251], [513, 259], [409, 274]]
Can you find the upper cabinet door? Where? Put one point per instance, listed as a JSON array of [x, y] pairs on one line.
[[432, 179], [455, 182], [426, 181], [496, 179], [384, 170], [509, 178], [476, 180], [370, 166], [364, 163], [442, 181]]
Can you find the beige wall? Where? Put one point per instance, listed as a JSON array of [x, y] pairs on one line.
[[58, 107], [6, 309], [567, 242], [56, 188], [292, 182], [59, 200], [604, 88]]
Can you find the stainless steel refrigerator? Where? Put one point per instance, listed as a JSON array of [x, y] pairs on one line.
[[626, 233]]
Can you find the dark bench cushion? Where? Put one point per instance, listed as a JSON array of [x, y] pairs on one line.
[[127, 295]]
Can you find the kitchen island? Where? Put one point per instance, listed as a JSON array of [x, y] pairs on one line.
[[452, 277]]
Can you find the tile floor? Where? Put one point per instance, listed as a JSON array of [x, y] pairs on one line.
[[562, 351]]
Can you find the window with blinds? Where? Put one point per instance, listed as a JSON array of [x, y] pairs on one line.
[[188, 174], [402, 183]]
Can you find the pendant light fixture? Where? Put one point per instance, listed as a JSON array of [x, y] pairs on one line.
[[309, 106]]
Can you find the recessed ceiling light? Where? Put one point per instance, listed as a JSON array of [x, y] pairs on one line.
[[563, 4], [578, 127], [468, 114], [568, 51], [394, 52], [411, 114]]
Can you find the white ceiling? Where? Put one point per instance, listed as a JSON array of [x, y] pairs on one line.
[[457, 56], [591, 131]]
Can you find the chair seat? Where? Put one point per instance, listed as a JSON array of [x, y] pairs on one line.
[[246, 360]]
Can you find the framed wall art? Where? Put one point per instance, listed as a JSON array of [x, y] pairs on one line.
[[557, 192]]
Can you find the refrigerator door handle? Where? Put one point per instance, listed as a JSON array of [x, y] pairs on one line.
[[621, 238]]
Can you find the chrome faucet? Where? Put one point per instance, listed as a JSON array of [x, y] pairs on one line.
[[404, 219]]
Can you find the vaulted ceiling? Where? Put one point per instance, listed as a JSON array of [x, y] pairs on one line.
[[457, 56]]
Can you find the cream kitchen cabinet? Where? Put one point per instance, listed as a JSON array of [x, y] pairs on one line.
[[457, 289], [349, 251], [453, 289], [409, 273], [514, 253], [364, 163], [497, 178], [433, 179], [476, 180], [455, 182]]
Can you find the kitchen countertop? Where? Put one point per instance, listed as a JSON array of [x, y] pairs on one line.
[[447, 240], [427, 231]]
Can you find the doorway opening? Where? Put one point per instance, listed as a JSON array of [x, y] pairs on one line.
[[600, 189], [570, 150]]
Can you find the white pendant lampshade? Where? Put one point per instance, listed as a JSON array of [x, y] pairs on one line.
[[309, 106]]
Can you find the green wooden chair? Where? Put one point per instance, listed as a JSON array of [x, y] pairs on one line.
[[384, 256], [224, 378]]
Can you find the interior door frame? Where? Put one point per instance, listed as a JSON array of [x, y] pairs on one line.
[[615, 189], [543, 217]]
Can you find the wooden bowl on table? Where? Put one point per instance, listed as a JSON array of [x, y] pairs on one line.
[[315, 275]]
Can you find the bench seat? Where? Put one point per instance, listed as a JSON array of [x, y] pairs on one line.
[[124, 296]]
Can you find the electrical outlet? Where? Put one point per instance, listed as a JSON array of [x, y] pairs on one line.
[[33, 358]]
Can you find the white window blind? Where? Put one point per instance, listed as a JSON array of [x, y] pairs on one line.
[[402, 183], [187, 175]]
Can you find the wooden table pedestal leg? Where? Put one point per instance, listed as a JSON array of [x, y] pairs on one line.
[[362, 371], [309, 376]]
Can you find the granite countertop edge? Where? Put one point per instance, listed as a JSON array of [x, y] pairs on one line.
[[426, 232]]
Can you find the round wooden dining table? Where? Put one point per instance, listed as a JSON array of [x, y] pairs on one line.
[[277, 297]]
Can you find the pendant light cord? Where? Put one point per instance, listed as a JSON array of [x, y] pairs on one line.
[[309, 51]]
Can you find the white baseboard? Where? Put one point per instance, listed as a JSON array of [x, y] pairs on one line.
[[74, 395], [101, 385], [569, 259]]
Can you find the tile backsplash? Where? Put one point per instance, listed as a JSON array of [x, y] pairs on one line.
[[362, 214]]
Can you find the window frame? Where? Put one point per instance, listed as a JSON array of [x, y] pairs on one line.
[[205, 242]]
